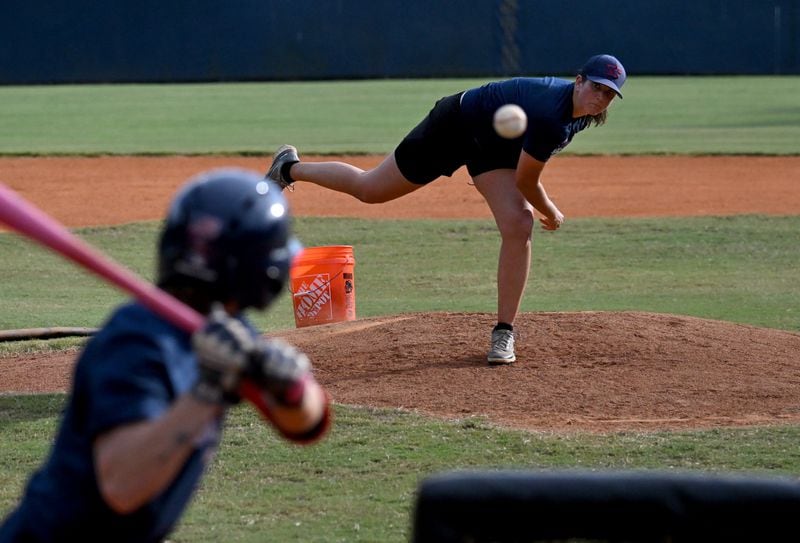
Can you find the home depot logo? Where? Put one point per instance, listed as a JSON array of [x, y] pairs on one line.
[[314, 292]]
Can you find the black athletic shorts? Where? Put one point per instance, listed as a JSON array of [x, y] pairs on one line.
[[436, 146], [443, 142]]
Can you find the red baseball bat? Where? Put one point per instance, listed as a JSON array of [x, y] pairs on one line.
[[27, 219]]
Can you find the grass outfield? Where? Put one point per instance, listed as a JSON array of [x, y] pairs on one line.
[[694, 115], [740, 269], [359, 483]]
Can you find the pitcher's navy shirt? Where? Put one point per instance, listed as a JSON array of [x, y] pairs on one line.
[[547, 102]]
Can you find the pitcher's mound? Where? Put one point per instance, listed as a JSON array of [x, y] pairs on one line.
[[590, 371], [596, 371]]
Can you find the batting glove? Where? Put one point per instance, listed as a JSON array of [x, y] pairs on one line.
[[223, 348], [279, 369]]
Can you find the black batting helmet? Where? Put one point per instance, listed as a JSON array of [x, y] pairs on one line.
[[227, 238]]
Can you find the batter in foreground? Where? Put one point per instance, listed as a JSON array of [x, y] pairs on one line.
[[148, 400], [458, 131]]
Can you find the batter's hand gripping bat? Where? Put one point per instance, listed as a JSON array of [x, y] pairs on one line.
[[27, 219]]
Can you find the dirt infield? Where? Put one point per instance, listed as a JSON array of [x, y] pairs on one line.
[[593, 371], [115, 190]]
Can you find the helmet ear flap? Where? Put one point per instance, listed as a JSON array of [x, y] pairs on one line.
[[226, 284], [263, 274]]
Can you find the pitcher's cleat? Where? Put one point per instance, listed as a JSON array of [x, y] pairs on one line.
[[502, 350], [282, 160]]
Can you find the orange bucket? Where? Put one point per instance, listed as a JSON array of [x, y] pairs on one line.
[[323, 285]]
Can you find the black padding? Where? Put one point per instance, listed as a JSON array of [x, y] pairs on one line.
[[512, 506]]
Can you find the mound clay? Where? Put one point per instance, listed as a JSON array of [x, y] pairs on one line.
[[588, 371]]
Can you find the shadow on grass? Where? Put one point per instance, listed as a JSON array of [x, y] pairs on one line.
[[30, 407]]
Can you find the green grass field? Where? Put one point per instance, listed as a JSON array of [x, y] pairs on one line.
[[740, 269], [744, 115], [359, 483]]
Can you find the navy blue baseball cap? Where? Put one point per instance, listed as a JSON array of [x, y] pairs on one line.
[[607, 70]]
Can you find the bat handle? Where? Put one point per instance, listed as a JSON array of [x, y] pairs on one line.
[[304, 423]]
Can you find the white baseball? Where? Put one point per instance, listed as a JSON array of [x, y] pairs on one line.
[[510, 121]]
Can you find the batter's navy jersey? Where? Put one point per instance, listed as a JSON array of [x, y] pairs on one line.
[[547, 102], [132, 370]]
